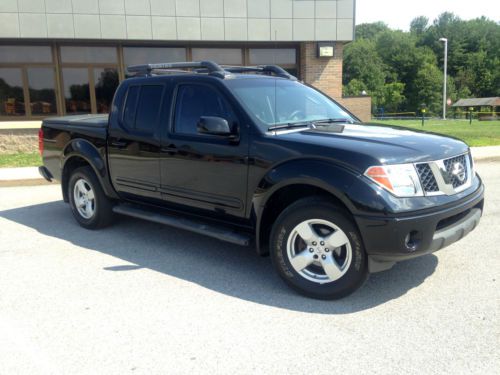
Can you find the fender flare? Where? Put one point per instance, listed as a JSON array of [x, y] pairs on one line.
[[83, 149], [332, 178]]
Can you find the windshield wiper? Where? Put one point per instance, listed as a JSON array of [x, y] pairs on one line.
[[310, 124], [332, 121], [291, 125]]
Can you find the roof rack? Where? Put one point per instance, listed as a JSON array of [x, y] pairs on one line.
[[209, 67], [266, 69], [150, 69]]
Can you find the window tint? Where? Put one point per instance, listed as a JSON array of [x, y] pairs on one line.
[[195, 101], [42, 91], [229, 56], [106, 82], [76, 90], [25, 54], [131, 106], [280, 56], [146, 55], [75, 54], [149, 108], [278, 101], [11, 92]]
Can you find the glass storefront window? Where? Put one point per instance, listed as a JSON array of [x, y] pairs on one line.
[[42, 91], [11, 92], [82, 55], [225, 56], [31, 70], [76, 90], [148, 55], [275, 56], [106, 81], [25, 54]]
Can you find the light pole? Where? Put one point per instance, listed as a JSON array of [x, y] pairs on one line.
[[445, 74]]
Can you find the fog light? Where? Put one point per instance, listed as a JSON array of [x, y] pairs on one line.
[[412, 240]]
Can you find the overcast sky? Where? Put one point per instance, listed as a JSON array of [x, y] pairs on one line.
[[399, 13]]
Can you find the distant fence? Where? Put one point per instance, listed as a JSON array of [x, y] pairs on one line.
[[398, 116], [481, 116]]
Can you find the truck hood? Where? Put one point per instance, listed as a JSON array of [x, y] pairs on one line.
[[374, 144]]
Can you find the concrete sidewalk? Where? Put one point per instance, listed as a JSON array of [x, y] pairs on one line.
[[30, 175], [16, 125], [21, 177], [487, 153]]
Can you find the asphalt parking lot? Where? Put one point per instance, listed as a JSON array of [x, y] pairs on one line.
[[142, 298]]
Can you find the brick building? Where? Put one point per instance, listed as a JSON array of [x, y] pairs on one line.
[[67, 56]]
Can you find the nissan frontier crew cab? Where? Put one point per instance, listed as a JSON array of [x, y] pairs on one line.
[[252, 156]]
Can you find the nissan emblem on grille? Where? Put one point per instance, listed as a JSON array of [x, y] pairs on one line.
[[456, 169], [459, 171], [447, 176]]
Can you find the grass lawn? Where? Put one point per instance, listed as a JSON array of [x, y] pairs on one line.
[[20, 160], [480, 133]]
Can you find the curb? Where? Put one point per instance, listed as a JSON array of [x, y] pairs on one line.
[[25, 182], [487, 159]]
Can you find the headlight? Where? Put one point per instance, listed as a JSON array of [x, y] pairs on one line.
[[472, 164], [401, 179]]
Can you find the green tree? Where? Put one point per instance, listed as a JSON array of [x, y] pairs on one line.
[[419, 25], [427, 88], [402, 70], [393, 96], [370, 31], [363, 65], [354, 88]]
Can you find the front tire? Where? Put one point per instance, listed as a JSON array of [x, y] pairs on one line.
[[91, 208], [317, 250]]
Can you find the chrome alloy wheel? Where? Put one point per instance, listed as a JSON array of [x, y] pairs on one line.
[[84, 198], [319, 251]]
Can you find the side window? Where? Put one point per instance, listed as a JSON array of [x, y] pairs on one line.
[[131, 106], [142, 107], [148, 108], [195, 101]]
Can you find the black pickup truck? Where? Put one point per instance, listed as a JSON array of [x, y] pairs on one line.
[[252, 156]]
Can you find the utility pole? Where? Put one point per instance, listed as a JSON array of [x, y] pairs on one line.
[[445, 74]]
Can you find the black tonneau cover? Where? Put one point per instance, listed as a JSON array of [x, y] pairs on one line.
[[94, 121]]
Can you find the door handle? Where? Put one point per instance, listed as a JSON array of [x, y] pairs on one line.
[[119, 144]]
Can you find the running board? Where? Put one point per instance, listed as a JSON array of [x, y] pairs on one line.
[[210, 230]]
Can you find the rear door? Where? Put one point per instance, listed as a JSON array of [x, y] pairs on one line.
[[134, 142], [204, 171]]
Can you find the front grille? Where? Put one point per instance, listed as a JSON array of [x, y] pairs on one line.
[[455, 165], [427, 179]]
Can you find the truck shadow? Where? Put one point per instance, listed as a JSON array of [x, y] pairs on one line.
[[224, 268]]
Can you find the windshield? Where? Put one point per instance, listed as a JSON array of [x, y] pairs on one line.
[[275, 101]]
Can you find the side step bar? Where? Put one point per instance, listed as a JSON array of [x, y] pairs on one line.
[[210, 230]]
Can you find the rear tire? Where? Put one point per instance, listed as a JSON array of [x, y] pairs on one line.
[[91, 208], [317, 250]]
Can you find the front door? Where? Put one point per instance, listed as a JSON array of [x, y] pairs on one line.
[[207, 172]]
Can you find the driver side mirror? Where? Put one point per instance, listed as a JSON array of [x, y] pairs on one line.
[[213, 126]]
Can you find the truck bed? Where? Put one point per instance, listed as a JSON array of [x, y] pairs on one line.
[[95, 121]]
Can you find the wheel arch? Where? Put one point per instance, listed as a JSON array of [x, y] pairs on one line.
[[79, 153], [281, 187]]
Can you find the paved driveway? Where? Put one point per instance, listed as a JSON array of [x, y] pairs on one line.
[[141, 298]]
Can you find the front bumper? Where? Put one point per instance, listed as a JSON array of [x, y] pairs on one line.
[[387, 241]]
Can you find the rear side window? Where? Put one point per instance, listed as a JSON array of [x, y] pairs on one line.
[[142, 107], [149, 108], [195, 101], [131, 106]]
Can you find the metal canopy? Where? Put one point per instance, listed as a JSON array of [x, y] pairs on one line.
[[478, 102]]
